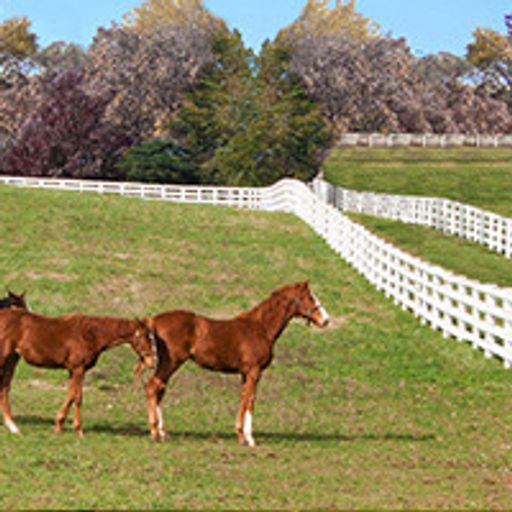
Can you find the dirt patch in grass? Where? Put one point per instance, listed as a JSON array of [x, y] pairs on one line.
[[46, 385], [51, 275]]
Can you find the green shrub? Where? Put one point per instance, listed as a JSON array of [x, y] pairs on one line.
[[159, 161]]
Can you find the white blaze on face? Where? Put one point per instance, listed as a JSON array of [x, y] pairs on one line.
[[248, 428], [323, 312]]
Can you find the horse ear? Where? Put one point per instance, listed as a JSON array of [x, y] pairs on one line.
[[147, 322], [304, 285]]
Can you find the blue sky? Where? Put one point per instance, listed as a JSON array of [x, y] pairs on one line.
[[428, 25]]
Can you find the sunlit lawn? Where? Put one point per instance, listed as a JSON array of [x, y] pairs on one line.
[[374, 412], [481, 177]]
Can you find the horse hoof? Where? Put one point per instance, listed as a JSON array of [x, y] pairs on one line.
[[247, 442], [251, 443], [163, 436], [12, 428]]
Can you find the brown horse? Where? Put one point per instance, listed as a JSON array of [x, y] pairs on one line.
[[73, 342], [13, 301], [241, 345]]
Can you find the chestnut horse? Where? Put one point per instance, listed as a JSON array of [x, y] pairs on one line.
[[72, 342], [13, 301], [241, 345]]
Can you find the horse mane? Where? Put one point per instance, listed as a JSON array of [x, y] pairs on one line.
[[262, 309], [105, 324]]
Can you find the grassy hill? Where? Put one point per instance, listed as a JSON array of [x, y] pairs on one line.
[[374, 412], [481, 177]]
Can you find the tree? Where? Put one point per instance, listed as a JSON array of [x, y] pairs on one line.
[[249, 122], [60, 56], [17, 46], [378, 85], [491, 53], [66, 134], [147, 75], [182, 13], [318, 19], [159, 161], [219, 107]]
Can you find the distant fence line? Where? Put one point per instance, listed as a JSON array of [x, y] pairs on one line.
[[457, 306], [451, 217], [423, 140]]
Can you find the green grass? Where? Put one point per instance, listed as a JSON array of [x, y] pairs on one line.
[[374, 412], [451, 252], [481, 177]]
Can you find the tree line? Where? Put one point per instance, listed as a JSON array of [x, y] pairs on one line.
[[172, 95]]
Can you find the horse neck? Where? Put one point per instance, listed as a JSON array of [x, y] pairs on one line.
[[114, 331], [273, 314]]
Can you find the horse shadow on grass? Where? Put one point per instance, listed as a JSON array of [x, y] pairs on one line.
[[303, 437], [137, 430], [127, 429]]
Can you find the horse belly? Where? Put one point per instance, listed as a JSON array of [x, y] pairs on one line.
[[40, 356], [214, 361]]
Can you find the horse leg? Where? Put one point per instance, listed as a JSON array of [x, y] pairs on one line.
[[63, 412], [239, 426], [79, 384], [6, 374], [246, 410], [155, 391]]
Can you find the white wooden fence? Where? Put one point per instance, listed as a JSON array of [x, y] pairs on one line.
[[457, 306], [451, 217], [426, 140]]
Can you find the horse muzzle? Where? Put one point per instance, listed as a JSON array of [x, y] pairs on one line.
[[149, 361], [320, 318]]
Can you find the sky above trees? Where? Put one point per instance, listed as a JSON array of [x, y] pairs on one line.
[[429, 27]]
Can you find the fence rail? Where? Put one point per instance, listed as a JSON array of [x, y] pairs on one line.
[[427, 140], [451, 217], [459, 307]]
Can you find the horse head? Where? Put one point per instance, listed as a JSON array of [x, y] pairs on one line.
[[144, 343], [17, 301], [308, 306]]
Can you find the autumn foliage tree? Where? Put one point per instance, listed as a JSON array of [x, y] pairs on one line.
[[180, 89], [318, 19], [375, 83], [66, 134], [174, 13], [491, 53], [17, 45], [147, 75]]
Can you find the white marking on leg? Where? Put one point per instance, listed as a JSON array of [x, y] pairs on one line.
[[13, 429], [160, 417], [323, 312], [248, 428]]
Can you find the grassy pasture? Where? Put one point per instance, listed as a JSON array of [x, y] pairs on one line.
[[480, 177], [374, 412]]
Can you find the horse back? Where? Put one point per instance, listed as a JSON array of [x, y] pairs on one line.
[[223, 345]]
